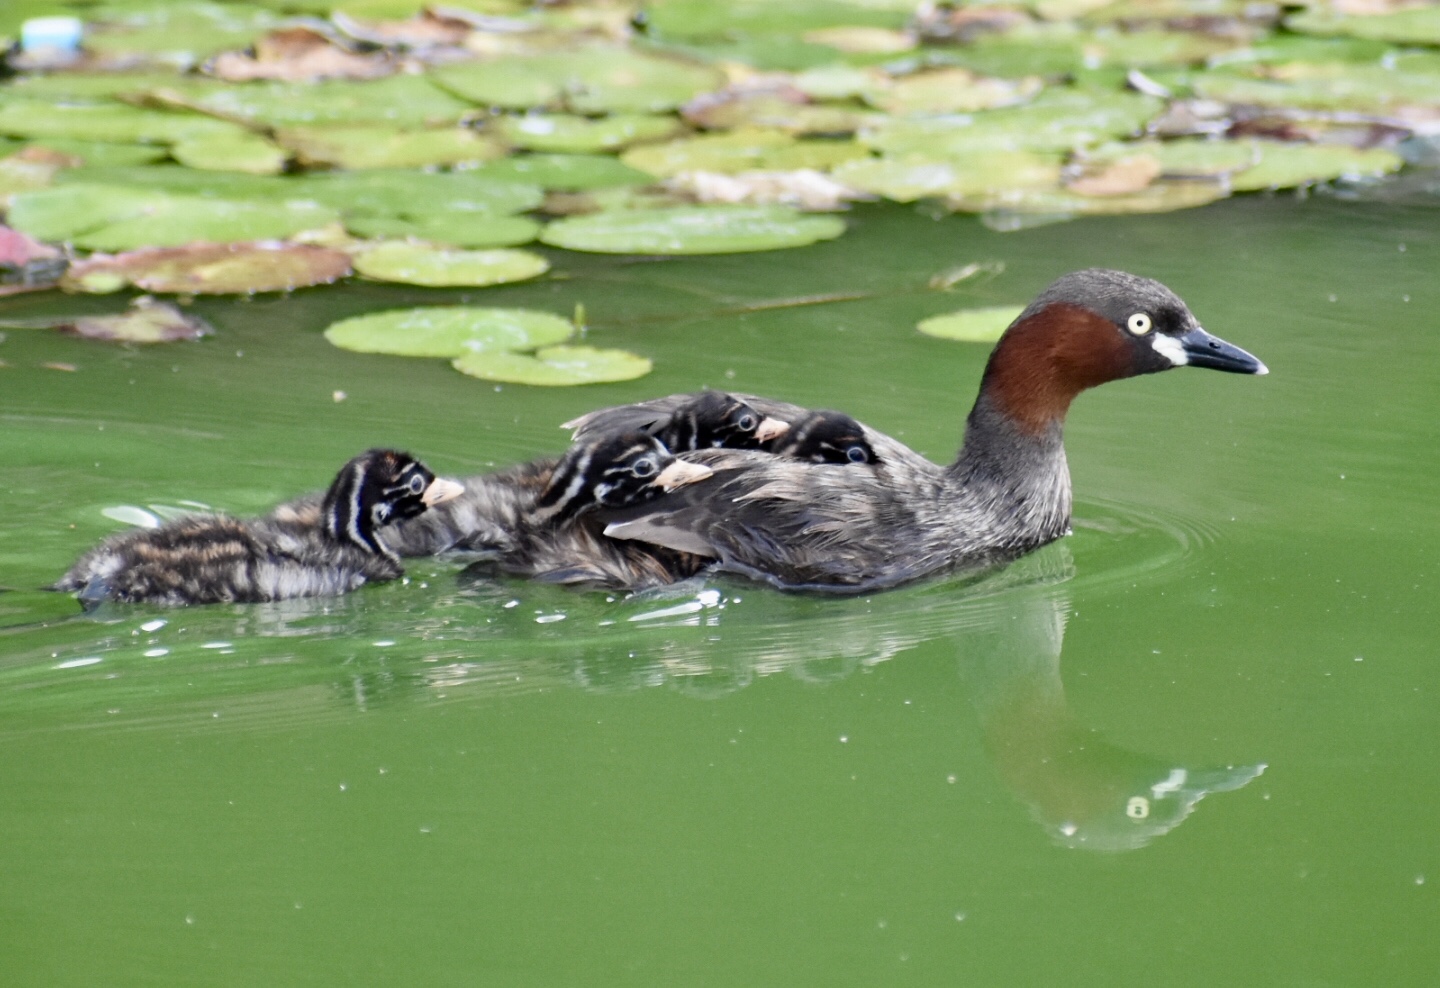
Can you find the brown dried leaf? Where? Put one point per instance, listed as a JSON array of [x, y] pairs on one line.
[[427, 29], [803, 188], [213, 269], [148, 321], [1120, 178], [298, 54]]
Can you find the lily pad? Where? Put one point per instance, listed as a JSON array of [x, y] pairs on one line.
[[594, 80], [87, 87], [1285, 165], [248, 153], [692, 230], [449, 229], [98, 154], [738, 151], [787, 110], [1186, 157], [176, 220], [1057, 120], [1015, 209], [705, 18], [911, 177], [951, 91], [567, 133], [556, 366], [114, 122], [385, 147], [180, 34], [402, 193], [1327, 86], [147, 321], [972, 325], [1412, 25], [63, 211], [213, 269], [565, 172], [396, 101], [448, 331], [435, 267]]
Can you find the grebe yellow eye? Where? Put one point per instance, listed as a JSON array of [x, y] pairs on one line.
[[1139, 324]]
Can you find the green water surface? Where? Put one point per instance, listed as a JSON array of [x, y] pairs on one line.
[[1229, 779]]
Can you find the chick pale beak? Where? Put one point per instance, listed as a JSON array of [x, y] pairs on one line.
[[440, 491], [680, 473], [771, 428], [1203, 350]]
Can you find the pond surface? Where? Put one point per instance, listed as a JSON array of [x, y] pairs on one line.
[[1194, 744]]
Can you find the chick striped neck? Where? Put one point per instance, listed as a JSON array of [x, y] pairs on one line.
[[349, 512]]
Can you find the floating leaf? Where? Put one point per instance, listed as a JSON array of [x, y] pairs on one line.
[[554, 366], [566, 133], [594, 80], [1187, 157], [702, 18], [385, 147], [568, 172], [785, 109], [1123, 176], [26, 264], [401, 193], [417, 264], [911, 177], [113, 122], [179, 33], [738, 151], [448, 331], [213, 269], [61, 212], [1408, 25], [99, 154], [248, 153], [972, 325], [176, 220], [147, 321], [692, 230], [1057, 120], [1284, 165], [449, 229], [1007, 210], [1334, 86], [397, 101], [87, 87], [951, 91], [298, 54]]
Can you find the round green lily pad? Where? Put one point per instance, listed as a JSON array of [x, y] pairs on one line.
[[231, 153], [395, 101], [179, 220], [914, 176], [114, 122], [555, 366], [972, 325], [436, 267], [692, 230], [448, 229], [384, 192], [1283, 165], [566, 172], [740, 150], [448, 331]]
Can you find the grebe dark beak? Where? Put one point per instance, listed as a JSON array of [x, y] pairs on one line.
[[1203, 350]]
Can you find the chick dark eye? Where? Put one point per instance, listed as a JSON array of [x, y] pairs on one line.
[[857, 454], [643, 468], [747, 423], [417, 484]]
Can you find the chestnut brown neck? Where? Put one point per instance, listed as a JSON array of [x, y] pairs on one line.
[[1044, 361]]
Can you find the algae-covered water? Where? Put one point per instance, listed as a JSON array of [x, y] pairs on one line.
[[1194, 744]]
